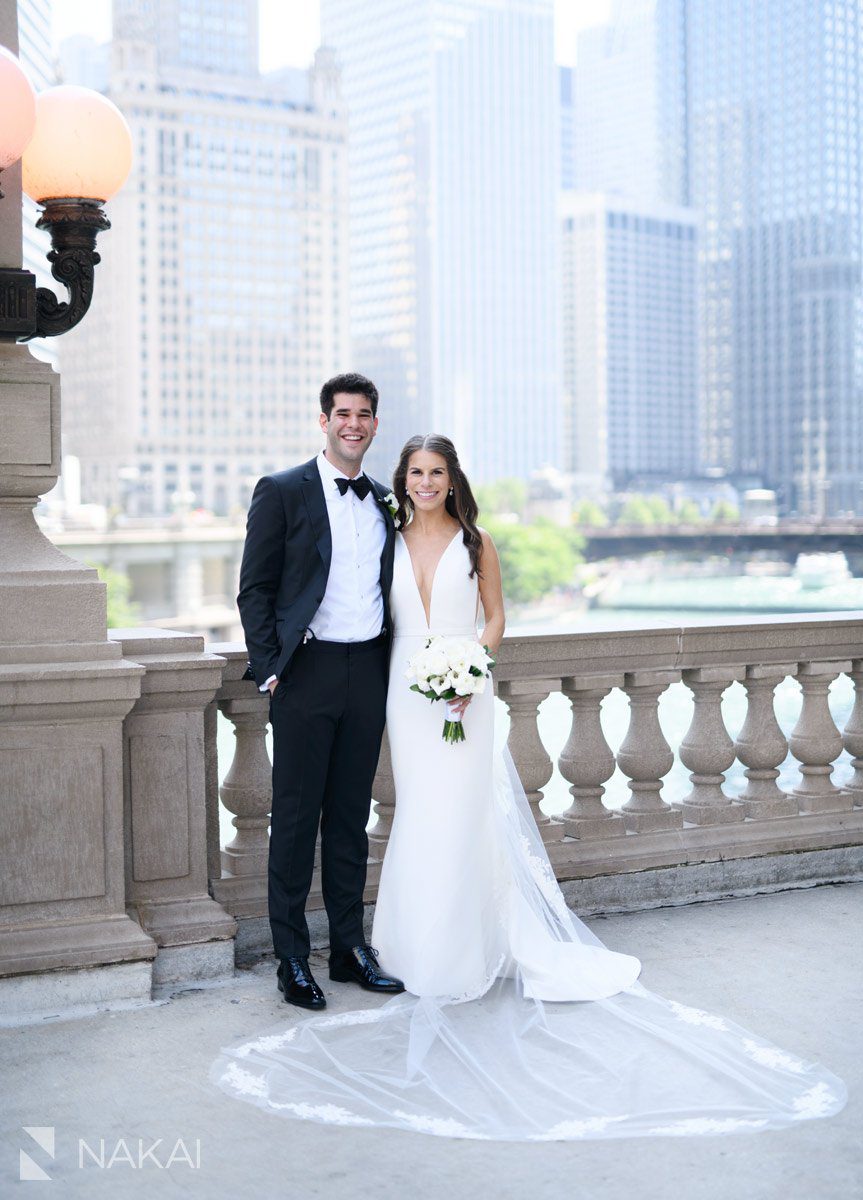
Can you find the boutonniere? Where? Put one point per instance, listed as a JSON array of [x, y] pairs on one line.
[[393, 506]]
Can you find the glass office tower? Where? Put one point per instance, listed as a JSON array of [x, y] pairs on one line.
[[452, 111], [774, 106], [629, 320]]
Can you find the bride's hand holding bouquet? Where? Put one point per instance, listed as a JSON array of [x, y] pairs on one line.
[[452, 669]]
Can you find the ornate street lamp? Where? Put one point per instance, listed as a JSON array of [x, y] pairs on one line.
[[78, 156], [19, 110]]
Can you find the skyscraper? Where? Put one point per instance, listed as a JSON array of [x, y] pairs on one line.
[[566, 85], [774, 96], [629, 341], [629, 103], [221, 302], [628, 254], [453, 169], [750, 114]]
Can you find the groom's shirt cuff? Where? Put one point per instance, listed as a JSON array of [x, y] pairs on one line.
[[265, 687]]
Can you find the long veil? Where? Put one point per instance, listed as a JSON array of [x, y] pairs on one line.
[[507, 1060]]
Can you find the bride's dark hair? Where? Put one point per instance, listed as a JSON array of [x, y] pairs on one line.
[[461, 504]]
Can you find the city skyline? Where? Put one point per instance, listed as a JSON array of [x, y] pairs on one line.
[[463, 126], [290, 29]]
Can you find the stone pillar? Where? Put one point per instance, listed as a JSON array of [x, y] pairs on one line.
[[165, 806], [587, 761], [707, 750], [535, 768], [852, 736], [815, 741], [384, 792], [762, 746], [64, 691], [645, 756], [247, 792]]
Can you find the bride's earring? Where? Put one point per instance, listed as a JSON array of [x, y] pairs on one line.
[[452, 491]]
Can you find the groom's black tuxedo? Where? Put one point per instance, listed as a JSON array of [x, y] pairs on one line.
[[286, 563], [327, 710]]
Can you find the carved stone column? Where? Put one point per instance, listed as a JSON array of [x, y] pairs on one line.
[[64, 691], [165, 806], [535, 768], [762, 746], [852, 736], [587, 761], [816, 742], [645, 756], [707, 750], [246, 791], [384, 792]]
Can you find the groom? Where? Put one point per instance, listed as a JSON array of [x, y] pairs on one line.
[[314, 584]]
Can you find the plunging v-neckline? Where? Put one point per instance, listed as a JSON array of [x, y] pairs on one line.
[[427, 615]]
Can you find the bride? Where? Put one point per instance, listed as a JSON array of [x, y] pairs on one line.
[[517, 1023]]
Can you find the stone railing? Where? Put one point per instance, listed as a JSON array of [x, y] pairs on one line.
[[649, 850], [182, 907]]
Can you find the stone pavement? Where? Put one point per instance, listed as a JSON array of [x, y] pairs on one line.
[[786, 965]]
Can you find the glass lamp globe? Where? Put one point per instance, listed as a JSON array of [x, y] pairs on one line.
[[82, 147], [18, 106]]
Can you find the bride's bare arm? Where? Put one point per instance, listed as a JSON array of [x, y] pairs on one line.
[[491, 594]]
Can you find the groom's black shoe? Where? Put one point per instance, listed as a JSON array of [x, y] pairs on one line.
[[297, 983], [360, 965]]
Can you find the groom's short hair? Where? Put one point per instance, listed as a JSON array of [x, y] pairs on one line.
[[354, 385]]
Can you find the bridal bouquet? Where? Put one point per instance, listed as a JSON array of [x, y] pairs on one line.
[[449, 668]]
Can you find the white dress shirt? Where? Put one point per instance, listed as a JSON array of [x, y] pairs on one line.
[[352, 609]]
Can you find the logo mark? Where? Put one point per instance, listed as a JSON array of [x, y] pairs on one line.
[[43, 1136]]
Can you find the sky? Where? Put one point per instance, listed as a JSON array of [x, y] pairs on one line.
[[290, 29]]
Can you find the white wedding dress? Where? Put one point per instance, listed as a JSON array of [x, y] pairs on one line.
[[517, 1022]]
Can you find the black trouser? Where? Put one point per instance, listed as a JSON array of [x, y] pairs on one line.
[[328, 715]]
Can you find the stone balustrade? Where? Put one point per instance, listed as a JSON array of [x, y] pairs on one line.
[[181, 906], [711, 841]]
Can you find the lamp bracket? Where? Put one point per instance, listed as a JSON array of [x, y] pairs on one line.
[[74, 225]]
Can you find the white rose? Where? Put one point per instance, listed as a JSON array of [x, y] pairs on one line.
[[463, 684], [438, 663]]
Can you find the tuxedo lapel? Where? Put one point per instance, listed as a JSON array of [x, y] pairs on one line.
[[389, 544], [316, 506]]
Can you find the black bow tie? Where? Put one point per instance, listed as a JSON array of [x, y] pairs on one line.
[[360, 485]]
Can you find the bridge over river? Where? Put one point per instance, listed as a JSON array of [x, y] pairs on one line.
[[786, 539]]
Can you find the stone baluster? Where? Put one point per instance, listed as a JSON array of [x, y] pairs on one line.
[[645, 756], [164, 768], [707, 750], [587, 761], [815, 741], [762, 746], [535, 768], [384, 792], [247, 790], [852, 736], [211, 790]]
